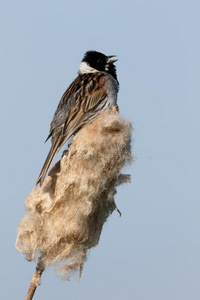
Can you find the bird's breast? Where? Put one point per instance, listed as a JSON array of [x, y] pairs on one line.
[[112, 88]]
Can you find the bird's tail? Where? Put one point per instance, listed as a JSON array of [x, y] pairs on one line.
[[52, 152]]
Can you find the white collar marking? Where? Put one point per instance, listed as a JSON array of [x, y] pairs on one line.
[[85, 68]]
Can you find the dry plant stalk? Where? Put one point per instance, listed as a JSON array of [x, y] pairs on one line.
[[64, 217], [36, 280]]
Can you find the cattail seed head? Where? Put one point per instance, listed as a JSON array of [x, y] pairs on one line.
[[64, 217]]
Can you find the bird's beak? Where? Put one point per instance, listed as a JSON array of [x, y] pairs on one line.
[[112, 60]]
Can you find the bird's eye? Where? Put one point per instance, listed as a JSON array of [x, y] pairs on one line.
[[100, 61]]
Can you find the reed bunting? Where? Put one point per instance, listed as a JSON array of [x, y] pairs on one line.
[[91, 93]]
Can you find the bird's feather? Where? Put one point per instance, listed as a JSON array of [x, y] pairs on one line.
[[81, 103]]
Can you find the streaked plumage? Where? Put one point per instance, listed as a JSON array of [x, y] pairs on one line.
[[91, 93]]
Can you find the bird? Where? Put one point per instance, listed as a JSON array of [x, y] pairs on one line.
[[93, 91]]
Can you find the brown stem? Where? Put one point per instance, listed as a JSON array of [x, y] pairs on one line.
[[36, 280]]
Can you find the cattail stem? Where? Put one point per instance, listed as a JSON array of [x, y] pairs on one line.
[[36, 280]]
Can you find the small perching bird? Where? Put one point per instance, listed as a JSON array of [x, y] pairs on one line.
[[91, 93]]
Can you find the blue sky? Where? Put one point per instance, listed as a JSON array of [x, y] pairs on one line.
[[152, 251]]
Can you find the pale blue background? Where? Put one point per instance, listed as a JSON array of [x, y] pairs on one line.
[[153, 251]]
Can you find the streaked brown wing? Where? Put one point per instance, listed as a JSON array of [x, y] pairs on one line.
[[86, 102], [78, 105], [84, 92]]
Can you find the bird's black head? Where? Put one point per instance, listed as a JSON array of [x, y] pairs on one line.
[[96, 61]]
